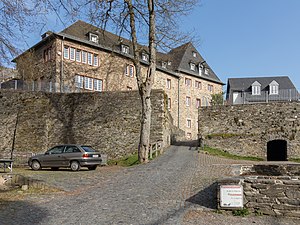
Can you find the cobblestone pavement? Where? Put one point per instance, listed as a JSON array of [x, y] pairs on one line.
[[176, 188]]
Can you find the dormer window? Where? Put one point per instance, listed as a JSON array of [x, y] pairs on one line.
[[164, 65], [194, 54], [145, 57], [273, 88], [94, 38], [125, 49], [201, 67], [206, 71], [192, 66], [256, 88], [169, 63]]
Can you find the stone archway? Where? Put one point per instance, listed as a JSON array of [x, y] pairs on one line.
[[277, 150]]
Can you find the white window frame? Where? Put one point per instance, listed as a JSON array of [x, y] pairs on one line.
[[256, 89], [274, 89], [84, 57], [164, 65], [88, 83], [66, 52], [188, 82], [90, 58], [194, 54], [129, 70], [188, 101], [72, 53], [168, 84], [188, 123], [198, 103], [98, 85], [94, 38], [210, 88], [78, 55], [96, 60], [145, 57], [198, 84], [125, 49], [193, 66], [78, 81], [169, 104], [206, 71]]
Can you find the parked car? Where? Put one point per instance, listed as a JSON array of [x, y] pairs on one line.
[[68, 156]]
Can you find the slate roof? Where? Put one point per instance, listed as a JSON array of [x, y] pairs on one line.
[[244, 84], [179, 57]]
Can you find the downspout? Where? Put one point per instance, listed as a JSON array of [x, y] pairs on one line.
[[178, 100], [62, 65]]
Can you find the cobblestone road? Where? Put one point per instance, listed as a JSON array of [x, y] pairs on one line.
[[176, 188]]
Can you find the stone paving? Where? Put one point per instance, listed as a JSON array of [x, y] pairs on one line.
[[176, 188]]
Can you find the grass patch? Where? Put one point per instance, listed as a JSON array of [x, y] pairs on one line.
[[225, 154], [295, 160], [241, 212], [126, 161]]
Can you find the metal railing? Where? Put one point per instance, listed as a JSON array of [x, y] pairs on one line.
[[286, 95]]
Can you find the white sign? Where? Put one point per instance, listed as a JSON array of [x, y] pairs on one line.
[[231, 196]]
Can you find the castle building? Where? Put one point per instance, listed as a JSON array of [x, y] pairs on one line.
[[83, 57]]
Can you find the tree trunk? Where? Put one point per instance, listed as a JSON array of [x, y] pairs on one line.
[[145, 127]]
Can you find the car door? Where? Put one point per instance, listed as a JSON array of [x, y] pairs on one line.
[[53, 157], [70, 153]]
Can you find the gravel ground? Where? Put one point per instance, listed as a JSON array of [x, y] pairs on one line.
[[176, 188]]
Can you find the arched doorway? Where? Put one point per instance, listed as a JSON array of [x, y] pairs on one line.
[[277, 150]]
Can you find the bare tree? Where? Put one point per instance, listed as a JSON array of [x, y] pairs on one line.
[[153, 23]]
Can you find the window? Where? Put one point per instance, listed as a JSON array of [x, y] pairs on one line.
[[169, 103], [210, 88], [78, 81], [198, 103], [168, 83], [129, 88], [189, 135], [192, 66], [274, 88], [66, 52], [201, 67], [256, 88], [88, 83], [84, 56], [78, 55], [125, 49], [188, 101], [194, 54], [97, 85], [189, 123], [206, 71], [129, 70], [164, 65], [94, 38], [145, 57], [95, 60], [72, 53], [47, 54], [89, 58], [198, 85], [188, 82], [169, 63]]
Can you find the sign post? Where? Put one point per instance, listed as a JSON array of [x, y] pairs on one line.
[[231, 196]]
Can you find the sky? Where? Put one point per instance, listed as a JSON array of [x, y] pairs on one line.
[[241, 38]]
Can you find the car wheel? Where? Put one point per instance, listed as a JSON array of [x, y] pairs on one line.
[[35, 165], [54, 168], [75, 166], [92, 167]]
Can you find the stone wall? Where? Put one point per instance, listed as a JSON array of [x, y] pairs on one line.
[[109, 121], [271, 195], [246, 129]]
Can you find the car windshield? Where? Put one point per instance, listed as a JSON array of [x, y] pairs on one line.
[[88, 149]]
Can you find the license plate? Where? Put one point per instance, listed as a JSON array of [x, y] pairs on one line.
[[95, 156]]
